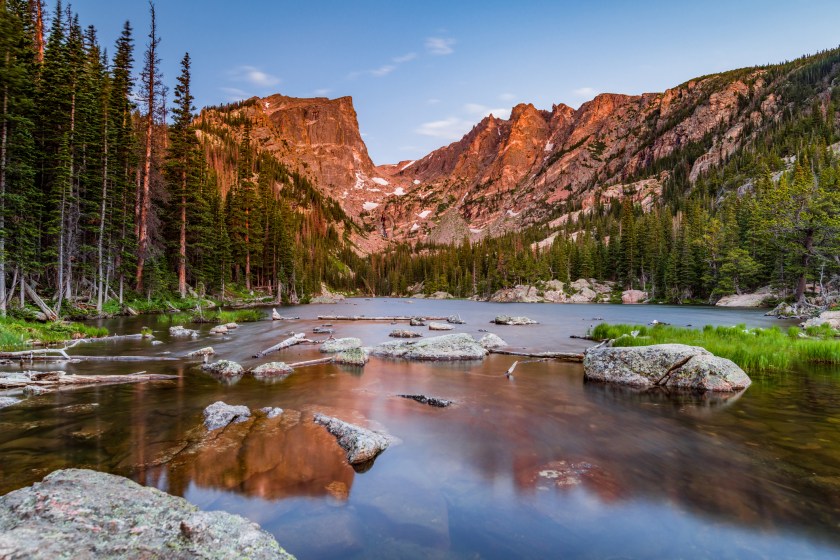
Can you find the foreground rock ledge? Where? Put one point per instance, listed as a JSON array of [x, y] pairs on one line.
[[664, 365], [77, 513]]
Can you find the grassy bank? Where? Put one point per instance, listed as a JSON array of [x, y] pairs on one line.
[[17, 334], [233, 316], [752, 349]]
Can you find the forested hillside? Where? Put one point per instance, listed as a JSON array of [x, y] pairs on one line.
[[106, 193], [768, 214], [113, 189]]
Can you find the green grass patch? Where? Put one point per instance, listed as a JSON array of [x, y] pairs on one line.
[[232, 316], [752, 349], [17, 334]]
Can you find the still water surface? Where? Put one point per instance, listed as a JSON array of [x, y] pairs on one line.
[[541, 466]]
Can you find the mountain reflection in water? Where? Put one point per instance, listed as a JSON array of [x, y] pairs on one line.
[[543, 465]]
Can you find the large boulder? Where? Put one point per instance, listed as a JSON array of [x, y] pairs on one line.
[[757, 299], [440, 327], [78, 513], [508, 320], [202, 352], [178, 331], [224, 368], [441, 295], [360, 444], [633, 296], [220, 414], [447, 347], [830, 318], [668, 365], [353, 357], [517, 294], [491, 340], [340, 344], [272, 370]]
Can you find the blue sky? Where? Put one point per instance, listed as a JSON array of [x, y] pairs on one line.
[[423, 73]]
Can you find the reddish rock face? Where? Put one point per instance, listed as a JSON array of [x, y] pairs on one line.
[[505, 174]]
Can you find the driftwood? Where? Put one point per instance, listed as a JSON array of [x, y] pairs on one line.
[[563, 356], [364, 318], [509, 372], [58, 381], [312, 362], [291, 341], [60, 354], [51, 315]]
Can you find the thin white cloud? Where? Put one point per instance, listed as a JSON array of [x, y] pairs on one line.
[[253, 76], [322, 91], [480, 110], [433, 101], [383, 70], [586, 92], [440, 45], [405, 58], [507, 96], [234, 94], [451, 128]]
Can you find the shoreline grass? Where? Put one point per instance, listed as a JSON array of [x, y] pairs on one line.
[[19, 334], [752, 349], [216, 316]]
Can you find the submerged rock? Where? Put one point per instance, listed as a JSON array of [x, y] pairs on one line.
[[322, 330], [224, 368], [668, 365], [340, 344], [431, 401], [220, 414], [8, 401], [179, 331], [491, 340], [508, 320], [447, 347], [440, 327], [353, 357], [272, 369], [272, 411], [78, 513], [360, 444], [201, 352], [404, 333]]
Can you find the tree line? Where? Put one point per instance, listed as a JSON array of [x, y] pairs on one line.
[[105, 190]]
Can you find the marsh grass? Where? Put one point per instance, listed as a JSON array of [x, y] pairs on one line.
[[232, 316], [17, 334], [752, 349]]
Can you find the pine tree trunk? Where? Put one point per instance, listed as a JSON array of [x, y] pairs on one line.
[[808, 245], [3, 139], [100, 288], [182, 253], [145, 202], [247, 249]]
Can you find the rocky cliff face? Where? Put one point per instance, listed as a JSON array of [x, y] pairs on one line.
[[536, 165]]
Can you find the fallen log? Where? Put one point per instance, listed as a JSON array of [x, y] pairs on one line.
[[365, 318], [563, 356], [291, 341], [59, 381], [312, 362], [51, 315]]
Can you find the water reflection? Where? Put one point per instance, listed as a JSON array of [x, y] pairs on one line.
[[542, 466]]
